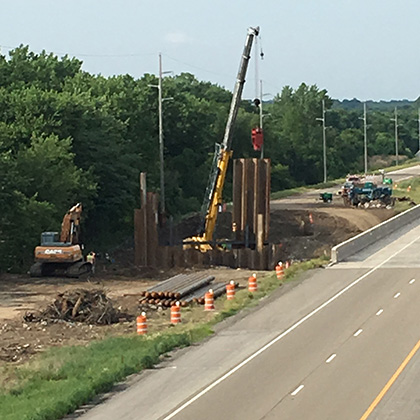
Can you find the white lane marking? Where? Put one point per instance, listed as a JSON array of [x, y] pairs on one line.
[[397, 295], [379, 312], [283, 334], [331, 358], [358, 332], [412, 281], [298, 389]]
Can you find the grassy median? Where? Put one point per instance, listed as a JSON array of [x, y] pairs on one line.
[[62, 379]]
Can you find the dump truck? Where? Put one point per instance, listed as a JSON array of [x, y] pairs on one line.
[[61, 253]]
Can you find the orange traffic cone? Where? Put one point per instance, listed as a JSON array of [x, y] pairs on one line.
[[175, 313], [230, 290], [279, 270], [142, 324], [252, 283], [209, 301]]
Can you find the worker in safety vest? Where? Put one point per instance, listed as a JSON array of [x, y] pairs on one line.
[[91, 259]]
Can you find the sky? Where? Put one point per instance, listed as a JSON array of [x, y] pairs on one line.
[[364, 49]]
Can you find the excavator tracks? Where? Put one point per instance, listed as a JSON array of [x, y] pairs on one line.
[[74, 270]]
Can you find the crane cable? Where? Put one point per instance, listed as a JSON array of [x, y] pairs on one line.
[[258, 92]]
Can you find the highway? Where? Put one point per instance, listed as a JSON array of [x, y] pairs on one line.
[[323, 350]]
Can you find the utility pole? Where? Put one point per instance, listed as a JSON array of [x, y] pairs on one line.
[[396, 135], [162, 170], [365, 136], [261, 115], [324, 140], [161, 145]]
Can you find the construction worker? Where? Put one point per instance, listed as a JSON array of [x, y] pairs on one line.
[[91, 259]]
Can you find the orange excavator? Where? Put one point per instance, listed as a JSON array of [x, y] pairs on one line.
[[61, 254]]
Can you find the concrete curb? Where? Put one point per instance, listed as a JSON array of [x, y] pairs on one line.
[[353, 245]]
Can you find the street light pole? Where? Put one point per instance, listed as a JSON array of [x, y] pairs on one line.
[[324, 140], [396, 135], [365, 136]]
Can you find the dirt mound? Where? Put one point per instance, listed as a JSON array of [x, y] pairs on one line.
[[306, 234]]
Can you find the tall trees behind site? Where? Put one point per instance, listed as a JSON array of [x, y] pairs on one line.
[[67, 136]]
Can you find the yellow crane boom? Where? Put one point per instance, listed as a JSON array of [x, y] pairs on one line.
[[213, 196]]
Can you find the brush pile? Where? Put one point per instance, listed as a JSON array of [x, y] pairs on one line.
[[87, 306]]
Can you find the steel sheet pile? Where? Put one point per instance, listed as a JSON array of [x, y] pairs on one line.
[[185, 288]]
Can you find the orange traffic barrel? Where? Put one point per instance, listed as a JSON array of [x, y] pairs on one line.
[[175, 313], [230, 290], [142, 324], [209, 301], [279, 270], [252, 283]]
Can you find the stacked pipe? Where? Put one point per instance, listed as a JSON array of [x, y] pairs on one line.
[[198, 295], [168, 292]]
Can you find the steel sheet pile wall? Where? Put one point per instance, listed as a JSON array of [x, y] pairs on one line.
[[145, 228], [265, 259], [251, 199], [145, 232], [251, 215]]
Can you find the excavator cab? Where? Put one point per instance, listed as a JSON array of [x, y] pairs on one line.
[[61, 253], [50, 238]]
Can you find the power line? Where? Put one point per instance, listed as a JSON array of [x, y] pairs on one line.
[[196, 67], [83, 54]]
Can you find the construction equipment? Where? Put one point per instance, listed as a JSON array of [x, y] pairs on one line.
[[326, 197], [213, 196], [365, 194], [61, 254]]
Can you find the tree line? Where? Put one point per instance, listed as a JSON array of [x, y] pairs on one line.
[[68, 136]]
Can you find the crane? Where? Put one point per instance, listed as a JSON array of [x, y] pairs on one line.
[[223, 153]]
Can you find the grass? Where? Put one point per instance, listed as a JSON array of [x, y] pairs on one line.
[[62, 379], [407, 188], [407, 164], [244, 299]]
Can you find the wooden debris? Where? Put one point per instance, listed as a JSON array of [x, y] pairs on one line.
[[87, 306]]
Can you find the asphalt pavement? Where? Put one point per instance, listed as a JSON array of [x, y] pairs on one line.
[[323, 350]]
